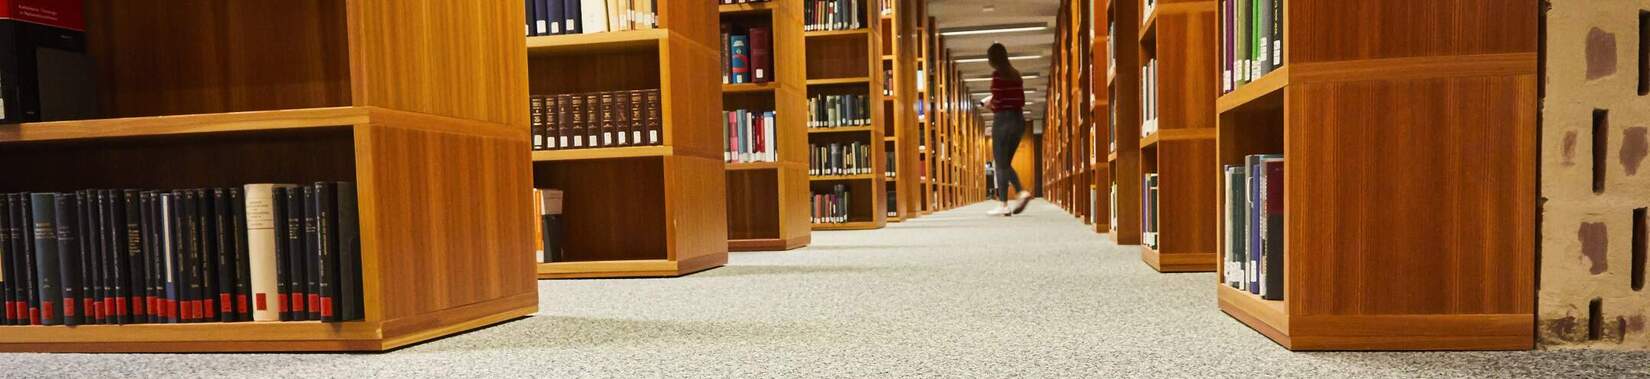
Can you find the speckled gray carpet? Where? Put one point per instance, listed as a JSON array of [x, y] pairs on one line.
[[955, 294]]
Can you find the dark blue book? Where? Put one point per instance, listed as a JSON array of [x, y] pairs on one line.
[[43, 207], [69, 248], [1251, 266], [739, 63], [572, 18], [532, 17], [553, 15]]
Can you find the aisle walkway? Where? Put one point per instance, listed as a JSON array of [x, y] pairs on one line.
[[951, 294]]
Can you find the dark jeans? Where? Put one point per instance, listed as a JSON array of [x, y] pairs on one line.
[[1006, 130]]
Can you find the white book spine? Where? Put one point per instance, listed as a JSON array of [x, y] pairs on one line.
[[260, 242]]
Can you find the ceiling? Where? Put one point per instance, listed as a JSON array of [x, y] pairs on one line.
[[967, 14]]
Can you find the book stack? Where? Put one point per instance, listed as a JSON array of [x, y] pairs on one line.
[[833, 159], [551, 230], [1149, 208], [832, 207], [1252, 40], [833, 111], [553, 17], [747, 54], [596, 119], [264, 252], [1254, 226], [833, 15], [750, 136], [1148, 98]]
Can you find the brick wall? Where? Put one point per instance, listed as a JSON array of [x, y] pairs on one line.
[[1595, 183]]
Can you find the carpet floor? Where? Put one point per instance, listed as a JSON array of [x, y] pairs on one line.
[[954, 294]]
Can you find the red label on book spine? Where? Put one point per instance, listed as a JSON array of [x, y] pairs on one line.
[[263, 302], [224, 303], [314, 301], [67, 14], [34, 316], [209, 308], [69, 309], [137, 306], [240, 303], [120, 307], [46, 308], [326, 307]]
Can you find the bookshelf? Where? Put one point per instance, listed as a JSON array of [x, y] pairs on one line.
[[1181, 36], [926, 88], [849, 62], [768, 201], [1069, 164], [644, 211], [322, 101], [1410, 196], [1123, 119], [901, 66]]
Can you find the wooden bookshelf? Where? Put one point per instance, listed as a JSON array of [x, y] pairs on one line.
[[923, 194], [768, 201], [1182, 35], [899, 46], [642, 211], [1123, 119], [324, 100], [841, 62], [1070, 162], [1400, 233]]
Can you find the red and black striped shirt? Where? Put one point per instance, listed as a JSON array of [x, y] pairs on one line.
[[1007, 92]]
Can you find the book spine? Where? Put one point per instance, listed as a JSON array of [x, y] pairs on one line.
[[621, 118], [260, 238], [326, 246], [8, 274], [349, 255], [572, 19], [638, 117], [243, 265], [153, 257], [283, 265], [224, 256], [655, 118], [1272, 230], [120, 298], [131, 262], [194, 290], [536, 107], [554, 16], [312, 253], [206, 230], [68, 248], [739, 51], [43, 208], [172, 261], [297, 286], [595, 119], [573, 115]]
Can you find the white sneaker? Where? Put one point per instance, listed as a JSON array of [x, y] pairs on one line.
[[1000, 211], [1025, 199]]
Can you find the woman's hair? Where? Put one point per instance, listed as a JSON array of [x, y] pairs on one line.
[[998, 56]]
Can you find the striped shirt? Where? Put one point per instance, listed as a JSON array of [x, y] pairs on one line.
[[1007, 92]]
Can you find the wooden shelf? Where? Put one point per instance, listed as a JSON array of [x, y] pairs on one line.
[[852, 225], [644, 211], [842, 129], [1319, 108], [770, 244], [1177, 262], [592, 43], [766, 6], [837, 33], [649, 268], [832, 178], [1162, 135], [839, 81], [737, 166], [602, 153], [750, 88], [328, 106]]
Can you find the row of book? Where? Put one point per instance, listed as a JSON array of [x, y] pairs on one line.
[[551, 241], [262, 252], [830, 207], [553, 17], [1148, 98], [747, 54], [1252, 40], [851, 158], [1254, 226], [833, 15], [1148, 210], [749, 135], [888, 168], [893, 203], [596, 119], [834, 111]]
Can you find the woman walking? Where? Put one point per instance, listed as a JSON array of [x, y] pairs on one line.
[[1006, 102]]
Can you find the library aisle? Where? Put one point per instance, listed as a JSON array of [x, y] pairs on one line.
[[952, 294]]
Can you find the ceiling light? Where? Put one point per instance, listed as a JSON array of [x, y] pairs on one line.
[[983, 59], [995, 29]]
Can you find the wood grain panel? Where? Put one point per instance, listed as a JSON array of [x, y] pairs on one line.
[[470, 66], [181, 161], [1449, 182], [753, 204], [618, 70], [460, 200], [695, 195], [1334, 30], [1124, 97], [608, 216], [1187, 83], [157, 57]]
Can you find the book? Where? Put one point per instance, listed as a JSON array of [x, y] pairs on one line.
[[69, 261], [1234, 222], [296, 255], [8, 278], [323, 205], [572, 17], [593, 16], [551, 227], [1272, 229], [727, 53], [553, 16], [761, 54], [133, 297], [43, 208], [350, 288], [312, 254], [261, 244], [739, 59]]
